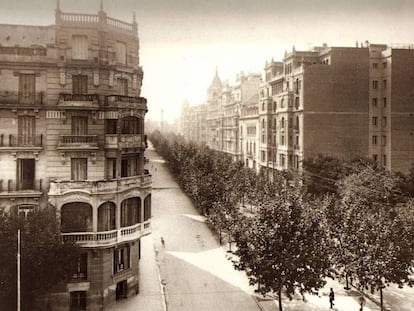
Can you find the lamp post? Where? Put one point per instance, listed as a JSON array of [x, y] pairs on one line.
[[18, 269]]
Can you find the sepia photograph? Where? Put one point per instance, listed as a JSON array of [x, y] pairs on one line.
[[206, 155]]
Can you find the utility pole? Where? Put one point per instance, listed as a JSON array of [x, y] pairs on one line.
[[18, 269]]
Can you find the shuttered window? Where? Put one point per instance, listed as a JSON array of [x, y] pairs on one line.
[[79, 168], [27, 88], [79, 47], [79, 84], [26, 130], [79, 125]]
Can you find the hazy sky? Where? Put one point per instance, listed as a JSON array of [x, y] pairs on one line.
[[183, 41]]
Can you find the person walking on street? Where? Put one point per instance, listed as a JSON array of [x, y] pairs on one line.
[[331, 298]]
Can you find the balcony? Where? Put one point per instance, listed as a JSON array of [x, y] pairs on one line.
[[76, 142], [123, 141], [97, 187], [21, 142], [20, 100], [126, 102], [12, 189], [94, 20], [109, 238], [78, 101]]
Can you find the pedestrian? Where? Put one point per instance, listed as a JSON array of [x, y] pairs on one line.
[[331, 298], [162, 241]]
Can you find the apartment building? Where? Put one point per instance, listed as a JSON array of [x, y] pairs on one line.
[[224, 105], [342, 101], [72, 137]]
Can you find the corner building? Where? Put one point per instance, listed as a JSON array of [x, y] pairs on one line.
[[72, 137]]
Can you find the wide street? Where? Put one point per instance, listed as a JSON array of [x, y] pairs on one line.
[[194, 270], [191, 271]]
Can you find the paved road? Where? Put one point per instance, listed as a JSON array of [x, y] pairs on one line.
[[193, 266]]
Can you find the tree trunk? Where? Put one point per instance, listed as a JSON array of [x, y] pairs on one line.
[[347, 281], [280, 300], [382, 299], [220, 236]]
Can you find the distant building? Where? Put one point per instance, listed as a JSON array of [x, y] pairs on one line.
[[72, 137], [341, 101]]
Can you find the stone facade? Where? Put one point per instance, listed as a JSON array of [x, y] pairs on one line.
[[72, 137]]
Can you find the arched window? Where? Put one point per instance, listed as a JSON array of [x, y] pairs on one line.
[[297, 123], [106, 217], [130, 212], [76, 217], [282, 123], [263, 123]]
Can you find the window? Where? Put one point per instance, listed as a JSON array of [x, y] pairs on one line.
[[263, 106], [79, 47], [130, 166], [81, 270], [282, 123], [384, 140], [147, 207], [121, 52], [282, 103], [384, 65], [374, 102], [374, 84], [27, 88], [263, 156], [111, 126], [384, 102], [110, 168], [79, 168], [79, 84], [375, 157], [121, 259], [25, 174], [130, 125], [374, 139], [77, 301], [123, 87], [79, 125], [282, 160], [263, 123], [374, 65], [384, 84], [263, 139], [297, 102], [26, 130], [384, 121], [24, 210], [282, 140], [384, 159], [374, 121], [274, 106]]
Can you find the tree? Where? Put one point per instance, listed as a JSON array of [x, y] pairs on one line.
[[376, 243], [45, 259], [285, 245], [322, 173]]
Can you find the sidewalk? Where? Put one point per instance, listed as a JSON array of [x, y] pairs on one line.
[[150, 296]]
